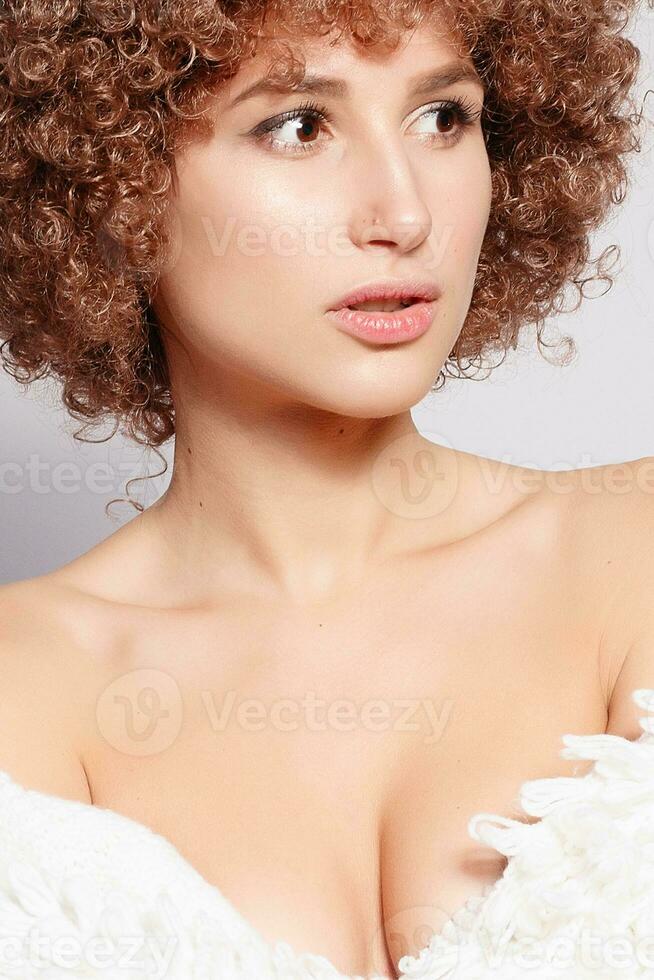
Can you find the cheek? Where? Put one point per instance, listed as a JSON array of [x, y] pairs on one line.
[[245, 244], [251, 229], [460, 212]]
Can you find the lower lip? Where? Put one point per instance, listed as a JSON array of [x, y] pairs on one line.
[[385, 327]]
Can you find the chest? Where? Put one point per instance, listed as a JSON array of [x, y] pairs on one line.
[[320, 766]]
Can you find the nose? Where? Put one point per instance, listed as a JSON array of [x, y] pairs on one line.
[[390, 209]]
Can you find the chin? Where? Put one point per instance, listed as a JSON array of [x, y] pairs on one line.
[[379, 397]]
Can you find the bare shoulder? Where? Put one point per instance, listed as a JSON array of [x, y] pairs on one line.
[[610, 528], [46, 675], [601, 513], [628, 520], [611, 522], [597, 526]]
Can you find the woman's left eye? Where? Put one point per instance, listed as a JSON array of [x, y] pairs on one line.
[[453, 115]]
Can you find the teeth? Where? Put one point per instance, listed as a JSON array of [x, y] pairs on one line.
[[379, 305]]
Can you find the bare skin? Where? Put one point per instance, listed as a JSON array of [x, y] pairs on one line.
[[464, 613], [512, 634]]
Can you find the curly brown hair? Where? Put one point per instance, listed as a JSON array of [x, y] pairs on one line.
[[96, 97]]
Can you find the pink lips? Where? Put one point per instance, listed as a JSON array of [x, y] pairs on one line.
[[388, 327]]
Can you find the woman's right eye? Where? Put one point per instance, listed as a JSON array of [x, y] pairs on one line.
[[310, 118]]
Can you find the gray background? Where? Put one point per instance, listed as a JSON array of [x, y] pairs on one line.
[[529, 412]]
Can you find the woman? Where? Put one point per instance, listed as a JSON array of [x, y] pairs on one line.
[[280, 693]]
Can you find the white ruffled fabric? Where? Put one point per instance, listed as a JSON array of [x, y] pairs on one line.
[[88, 893], [576, 899]]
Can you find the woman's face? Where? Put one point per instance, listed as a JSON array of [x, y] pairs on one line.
[[273, 224]]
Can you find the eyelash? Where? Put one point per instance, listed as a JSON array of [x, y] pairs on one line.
[[465, 112]]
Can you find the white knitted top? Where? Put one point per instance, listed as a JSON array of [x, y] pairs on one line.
[[86, 892]]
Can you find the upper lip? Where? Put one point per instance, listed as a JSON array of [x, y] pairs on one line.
[[401, 289]]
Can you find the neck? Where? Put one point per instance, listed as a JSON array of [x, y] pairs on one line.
[[283, 497]]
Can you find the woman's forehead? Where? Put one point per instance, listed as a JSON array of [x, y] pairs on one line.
[[283, 61]]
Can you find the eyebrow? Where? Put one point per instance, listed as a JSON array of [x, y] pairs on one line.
[[423, 84]]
